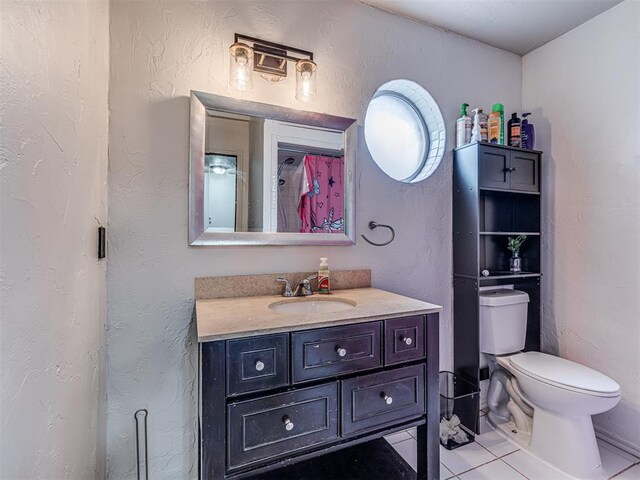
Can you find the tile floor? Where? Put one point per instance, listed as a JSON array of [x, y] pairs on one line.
[[491, 457]]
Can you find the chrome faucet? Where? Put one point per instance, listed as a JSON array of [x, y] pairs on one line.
[[304, 287], [302, 290], [287, 287]]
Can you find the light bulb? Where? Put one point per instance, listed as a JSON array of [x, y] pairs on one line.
[[240, 72], [305, 80], [219, 169]]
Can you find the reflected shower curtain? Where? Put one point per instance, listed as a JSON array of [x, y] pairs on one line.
[[322, 198], [289, 185]]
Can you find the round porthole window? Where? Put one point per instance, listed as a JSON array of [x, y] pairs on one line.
[[404, 131]]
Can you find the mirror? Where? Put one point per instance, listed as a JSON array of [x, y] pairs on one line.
[[267, 175]]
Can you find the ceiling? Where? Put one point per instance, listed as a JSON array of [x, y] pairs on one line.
[[518, 26]]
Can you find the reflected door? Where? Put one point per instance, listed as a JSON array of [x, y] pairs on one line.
[[220, 192]]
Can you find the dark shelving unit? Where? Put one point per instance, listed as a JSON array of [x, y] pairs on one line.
[[496, 194]]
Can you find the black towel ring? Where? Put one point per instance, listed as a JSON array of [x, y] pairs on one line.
[[373, 225]]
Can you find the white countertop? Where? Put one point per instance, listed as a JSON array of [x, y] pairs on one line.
[[225, 318]]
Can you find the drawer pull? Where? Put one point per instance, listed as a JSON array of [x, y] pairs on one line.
[[341, 351], [259, 366], [288, 424], [406, 340], [388, 400]]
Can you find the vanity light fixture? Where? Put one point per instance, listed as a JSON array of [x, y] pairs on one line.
[[270, 61], [219, 169], [218, 164]]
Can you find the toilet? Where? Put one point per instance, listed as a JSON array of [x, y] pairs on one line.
[[542, 402]]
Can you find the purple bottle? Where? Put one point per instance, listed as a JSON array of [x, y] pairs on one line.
[[527, 133]]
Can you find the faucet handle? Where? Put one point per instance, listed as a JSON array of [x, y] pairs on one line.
[[287, 287], [306, 285]]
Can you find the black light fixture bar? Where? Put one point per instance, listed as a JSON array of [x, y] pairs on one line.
[[257, 42]]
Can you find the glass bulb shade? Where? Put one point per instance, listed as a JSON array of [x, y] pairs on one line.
[[240, 69], [306, 80], [219, 169]]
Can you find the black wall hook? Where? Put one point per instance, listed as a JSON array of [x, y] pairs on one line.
[[372, 225]]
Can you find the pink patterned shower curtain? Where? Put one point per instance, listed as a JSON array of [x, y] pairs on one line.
[[322, 198]]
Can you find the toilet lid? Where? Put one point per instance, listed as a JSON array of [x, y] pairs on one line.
[[564, 373]]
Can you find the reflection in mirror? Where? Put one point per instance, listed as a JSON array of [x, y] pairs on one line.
[[270, 175], [310, 188], [221, 185]]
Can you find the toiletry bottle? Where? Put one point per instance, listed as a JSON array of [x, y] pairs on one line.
[[463, 127], [479, 132], [527, 133], [513, 128], [496, 124], [324, 285]]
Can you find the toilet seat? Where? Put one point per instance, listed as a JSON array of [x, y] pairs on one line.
[[564, 374]]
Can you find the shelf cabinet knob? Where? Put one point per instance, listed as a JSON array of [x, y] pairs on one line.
[[259, 365], [288, 424], [341, 351], [407, 340], [387, 399]]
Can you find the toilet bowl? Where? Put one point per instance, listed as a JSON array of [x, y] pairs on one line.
[[563, 394]]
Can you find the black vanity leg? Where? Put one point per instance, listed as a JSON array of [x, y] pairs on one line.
[[212, 425], [429, 434]]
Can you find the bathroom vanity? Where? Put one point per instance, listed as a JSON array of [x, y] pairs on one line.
[[285, 380]]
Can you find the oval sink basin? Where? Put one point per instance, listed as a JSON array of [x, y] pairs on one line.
[[312, 305]]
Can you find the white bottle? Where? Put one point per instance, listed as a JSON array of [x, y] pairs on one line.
[[324, 284], [480, 131], [463, 127]]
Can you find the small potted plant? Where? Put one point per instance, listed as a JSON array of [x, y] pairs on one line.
[[514, 244]]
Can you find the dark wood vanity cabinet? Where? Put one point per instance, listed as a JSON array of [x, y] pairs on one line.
[[267, 401]]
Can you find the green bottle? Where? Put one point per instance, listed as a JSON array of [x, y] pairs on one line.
[[496, 124]]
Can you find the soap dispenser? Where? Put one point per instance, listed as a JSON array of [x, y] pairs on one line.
[[323, 276]]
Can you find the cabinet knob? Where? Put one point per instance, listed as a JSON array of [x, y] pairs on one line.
[[510, 169], [388, 400], [288, 424], [407, 340], [259, 365], [341, 351]]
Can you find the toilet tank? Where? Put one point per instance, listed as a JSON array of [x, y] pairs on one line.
[[503, 320]]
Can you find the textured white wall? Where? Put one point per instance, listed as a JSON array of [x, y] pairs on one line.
[[162, 49], [583, 90], [53, 171]]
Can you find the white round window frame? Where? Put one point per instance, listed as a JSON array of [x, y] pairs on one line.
[[421, 101]]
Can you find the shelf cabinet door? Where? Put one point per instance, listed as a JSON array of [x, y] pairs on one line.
[[493, 171], [524, 171], [504, 169]]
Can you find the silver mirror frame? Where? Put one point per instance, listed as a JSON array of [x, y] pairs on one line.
[[199, 236]]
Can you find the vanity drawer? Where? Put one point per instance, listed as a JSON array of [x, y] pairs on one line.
[[375, 400], [328, 352], [282, 423], [404, 339], [257, 363]]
